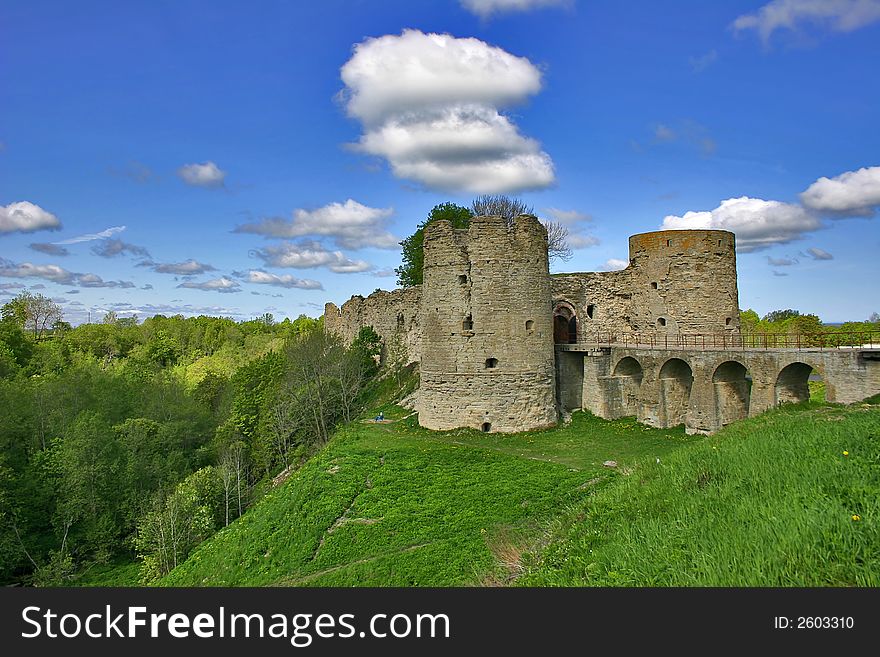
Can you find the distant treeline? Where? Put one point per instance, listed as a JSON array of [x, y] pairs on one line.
[[791, 322], [122, 439]]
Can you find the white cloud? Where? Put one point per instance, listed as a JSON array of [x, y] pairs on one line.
[[49, 249], [836, 15], [93, 280], [429, 104], [384, 273], [582, 241], [757, 223], [613, 264], [222, 284], [852, 193], [575, 222], [186, 268], [90, 237], [285, 280], [351, 224], [568, 217], [56, 274], [52, 273], [417, 71], [700, 64], [25, 217], [308, 255], [781, 262], [819, 254], [202, 175], [114, 247], [485, 8]]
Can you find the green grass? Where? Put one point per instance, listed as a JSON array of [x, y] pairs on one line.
[[769, 501], [766, 502], [397, 505], [119, 573]]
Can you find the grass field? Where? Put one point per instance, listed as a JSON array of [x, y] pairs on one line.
[[395, 505], [768, 501], [790, 498]]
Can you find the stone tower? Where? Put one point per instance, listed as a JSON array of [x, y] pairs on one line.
[[487, 332], [684, 281]]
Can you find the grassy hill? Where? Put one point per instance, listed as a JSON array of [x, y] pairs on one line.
[[768, 501], [396, 505]]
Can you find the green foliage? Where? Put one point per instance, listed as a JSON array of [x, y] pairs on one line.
[[33, 312], [410, 272], [8, 365], [368, 345], [398, 505], [789, 498], [16, 341], [177, 524], [780, 315]]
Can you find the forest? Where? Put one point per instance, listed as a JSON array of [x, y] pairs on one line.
[[127, 440]]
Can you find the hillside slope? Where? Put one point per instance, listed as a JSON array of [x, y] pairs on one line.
[[789, 498], [396, 505]]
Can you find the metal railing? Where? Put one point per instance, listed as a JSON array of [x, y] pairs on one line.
[[714, 341]]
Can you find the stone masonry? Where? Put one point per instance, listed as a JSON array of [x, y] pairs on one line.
[[504, 346]]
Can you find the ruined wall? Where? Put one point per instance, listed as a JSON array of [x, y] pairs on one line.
[[487, 339], [393, 315], [678, 281], [602, 301]]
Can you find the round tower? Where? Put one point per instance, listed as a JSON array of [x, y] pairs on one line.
[[487, 336], [684, 282]]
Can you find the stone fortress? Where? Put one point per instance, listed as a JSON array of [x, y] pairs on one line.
[[505, 346]]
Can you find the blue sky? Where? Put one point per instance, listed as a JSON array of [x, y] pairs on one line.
[[237, 158]]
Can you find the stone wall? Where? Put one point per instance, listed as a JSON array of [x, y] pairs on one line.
[[603, 301], [678, 281], [705, 390], [393, 315], [487, 342], [684, 281]]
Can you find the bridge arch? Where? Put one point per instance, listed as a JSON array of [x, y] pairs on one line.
[[628, 375], [732, 389], [676, 380], [793, 383], [565, 323]]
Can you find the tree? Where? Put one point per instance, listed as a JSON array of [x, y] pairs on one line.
[[410, 272], [557, 241], [12, 335], [33, 312], [874, 318], [500, 205], [177, 524], [748, 321], [780, 315]]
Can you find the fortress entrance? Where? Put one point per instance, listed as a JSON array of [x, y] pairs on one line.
[[565, 328]]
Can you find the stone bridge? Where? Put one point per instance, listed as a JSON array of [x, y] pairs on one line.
[[705, 388]]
